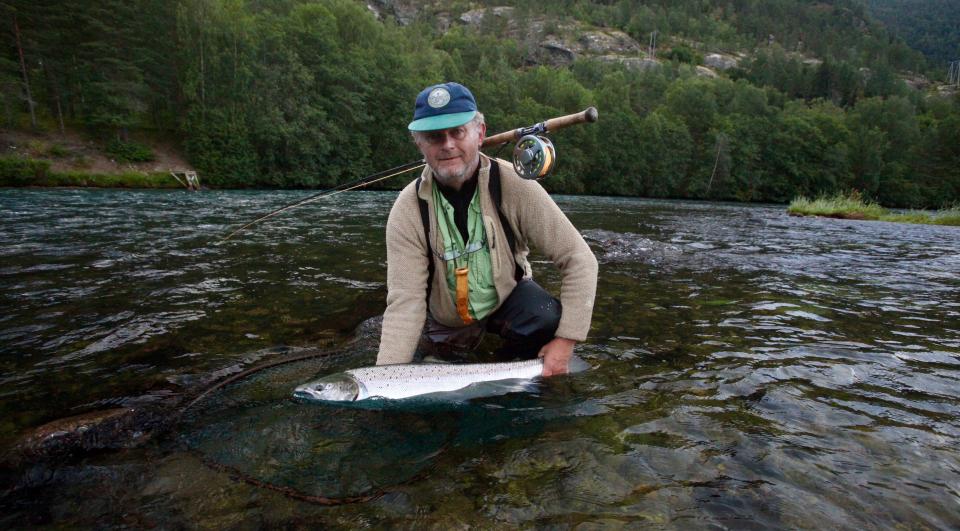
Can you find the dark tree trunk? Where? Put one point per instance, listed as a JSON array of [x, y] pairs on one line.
[[23, 68]]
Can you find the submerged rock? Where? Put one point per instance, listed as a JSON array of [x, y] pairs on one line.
[[138, 419], [107, 429]]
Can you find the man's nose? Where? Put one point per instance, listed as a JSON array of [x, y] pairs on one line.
[[448, 140]]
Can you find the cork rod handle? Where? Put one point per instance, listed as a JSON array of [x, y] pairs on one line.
[[588, 115]]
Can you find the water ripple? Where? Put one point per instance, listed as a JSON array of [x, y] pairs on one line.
[[749, 368]]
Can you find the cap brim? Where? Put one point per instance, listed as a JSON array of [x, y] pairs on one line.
[[442, 121]]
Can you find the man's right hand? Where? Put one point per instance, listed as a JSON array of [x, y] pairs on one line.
[[556, 355]]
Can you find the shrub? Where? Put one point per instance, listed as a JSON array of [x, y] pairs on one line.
[[58, 151], [683, 53], [16, 171], [852, 206], [129, 151], [843, 205], [948, 216], [82, 162], [37, 148], [130, 179]]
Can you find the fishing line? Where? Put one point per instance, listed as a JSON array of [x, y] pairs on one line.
[[346, 187], [534, 160]]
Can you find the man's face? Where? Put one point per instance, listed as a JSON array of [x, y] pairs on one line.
[[453, 153]]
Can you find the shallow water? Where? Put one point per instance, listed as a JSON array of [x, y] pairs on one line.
[[749, 369]]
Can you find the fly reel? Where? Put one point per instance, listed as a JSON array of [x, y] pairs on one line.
[[534, 157]]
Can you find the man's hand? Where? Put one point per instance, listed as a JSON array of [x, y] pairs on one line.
[[556, 355]]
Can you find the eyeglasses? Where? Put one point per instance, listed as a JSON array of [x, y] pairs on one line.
[[439, 137], [452, 253]]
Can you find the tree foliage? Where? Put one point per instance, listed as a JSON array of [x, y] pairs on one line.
[[296, 93], [929, 26]]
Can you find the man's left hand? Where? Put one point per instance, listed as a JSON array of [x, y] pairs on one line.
[[556, 355]]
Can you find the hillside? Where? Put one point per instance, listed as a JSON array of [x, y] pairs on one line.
[[742, 100], [837, 31], [931, 27], [73, 151]]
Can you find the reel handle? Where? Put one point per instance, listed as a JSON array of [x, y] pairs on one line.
[[586, 116]]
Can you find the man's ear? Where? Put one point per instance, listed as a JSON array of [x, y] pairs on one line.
[[482, 130]]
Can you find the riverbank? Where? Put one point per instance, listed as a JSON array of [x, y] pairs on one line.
[[55, 159], [37, 173], [852, 206]]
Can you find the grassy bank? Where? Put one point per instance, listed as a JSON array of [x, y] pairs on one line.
[[852, 206], [21, 172]]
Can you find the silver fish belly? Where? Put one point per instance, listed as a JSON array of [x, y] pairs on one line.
[[413, 379]]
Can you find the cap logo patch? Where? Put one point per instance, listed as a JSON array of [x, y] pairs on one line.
[[438, 98]]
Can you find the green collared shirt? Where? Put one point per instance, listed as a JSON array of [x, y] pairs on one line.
[[473, 254]]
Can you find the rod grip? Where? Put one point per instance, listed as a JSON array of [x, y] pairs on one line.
[[589, 115], [586, 116]]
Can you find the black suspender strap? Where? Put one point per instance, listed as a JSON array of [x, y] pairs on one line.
[[497, 195], [425, 217]]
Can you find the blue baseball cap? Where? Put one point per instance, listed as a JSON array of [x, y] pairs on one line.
[[442, 107]]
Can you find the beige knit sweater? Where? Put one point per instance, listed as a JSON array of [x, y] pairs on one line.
[[536, 221]]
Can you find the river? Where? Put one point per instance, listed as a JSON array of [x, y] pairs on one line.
[[748, 369]]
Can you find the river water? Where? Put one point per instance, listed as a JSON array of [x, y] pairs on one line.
[[749, 369]]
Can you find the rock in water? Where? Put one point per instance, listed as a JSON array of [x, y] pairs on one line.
[[115, 428]]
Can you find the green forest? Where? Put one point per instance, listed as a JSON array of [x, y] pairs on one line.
[[932, 27], [309, 94]]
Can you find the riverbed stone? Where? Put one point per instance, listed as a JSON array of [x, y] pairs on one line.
[[113, 428]]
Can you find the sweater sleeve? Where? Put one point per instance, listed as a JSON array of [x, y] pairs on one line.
[[541, 223], [406, 282]]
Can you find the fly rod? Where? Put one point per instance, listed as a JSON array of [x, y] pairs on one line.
[[533, 158]]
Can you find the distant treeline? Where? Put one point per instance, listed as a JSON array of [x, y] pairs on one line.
[[929, 26], [289, 93]]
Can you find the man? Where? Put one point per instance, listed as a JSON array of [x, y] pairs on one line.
[[457, 260]]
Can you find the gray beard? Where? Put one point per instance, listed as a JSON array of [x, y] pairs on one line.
[[452, 179], [447, 178]]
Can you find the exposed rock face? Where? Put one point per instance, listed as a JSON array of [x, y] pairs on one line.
[[550, 42], [608, 42], [475, 17], [609, 46], [917, 82], [553, 53], [405, 11], [703, 71], [632, 63], [719, 61], [559, 48]]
